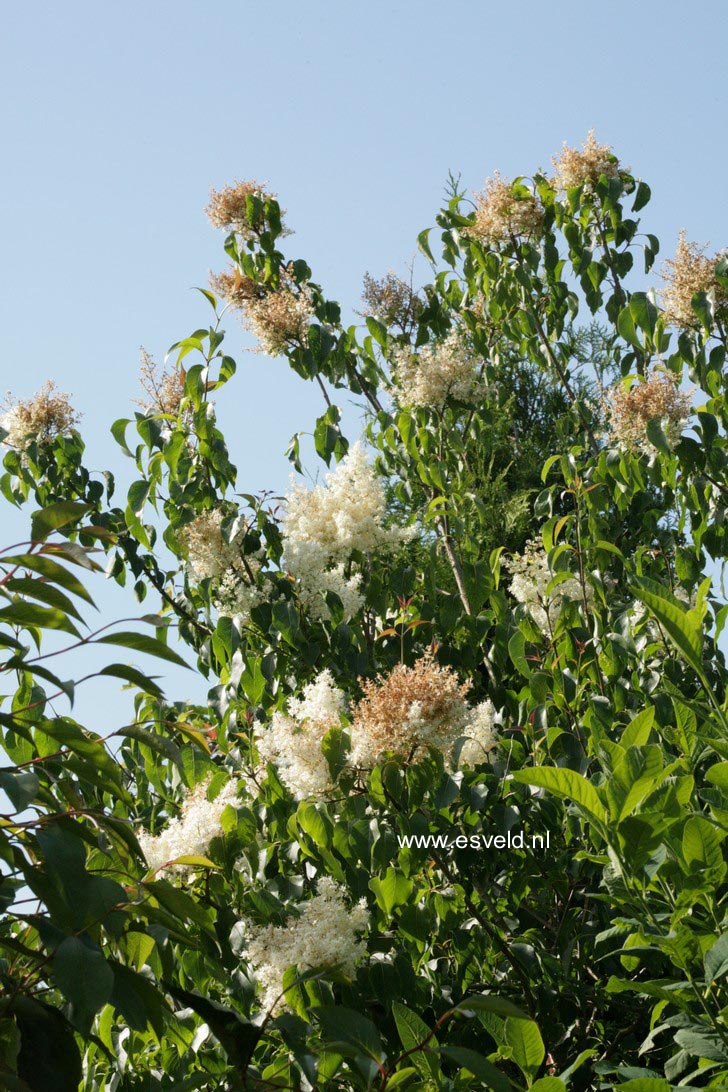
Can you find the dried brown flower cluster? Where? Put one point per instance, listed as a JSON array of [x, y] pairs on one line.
[[39, 419], [684, 275], [407, 710], [228, 207], [585, 168], [657, 397], [502, 214], [391, 300], [164, 389], [235, 288], [278, 317]]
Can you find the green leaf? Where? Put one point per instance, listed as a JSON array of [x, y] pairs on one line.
[[483, 1002], [40, 589], [641, 197], [60, 514], [657, 437], [21, 786], [680, 625], [715, 960], [394, 890], [141, 642], [644, 311], [49, 1058], [314, 821], [638, 730], [139, 946], [644, 1084], [701, 845], [525, 1040], [132, 675], [548, 1084], [348, 1031], [51, 570], [709, 1047], [567, 784], [413, 1031], [479, 1066], [423, 244], [84, 977], [118, 431], [238, 1036], [137, 496], [25, 614]]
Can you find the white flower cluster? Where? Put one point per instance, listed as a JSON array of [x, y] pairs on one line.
[[482, 736], [323, 936], [236, 596], [434, 373], [323, 526], [293, 742], [530, 577], [189, 833], [236, 584]]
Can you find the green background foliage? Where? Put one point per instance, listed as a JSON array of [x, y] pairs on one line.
[[599, 963]]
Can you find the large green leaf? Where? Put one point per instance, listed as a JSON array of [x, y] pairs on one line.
[[142, 642], [479, 1066], [84, 977], [680, 625], [525, 1040], [567, 784], [413, 1031], [24, 614], [63, 513], [349, 1032]]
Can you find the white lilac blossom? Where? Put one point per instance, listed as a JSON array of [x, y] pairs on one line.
[[431, 374], [505, 212], [530, 577], [189, 833], [323, 526], [292, 741], [324, 935]]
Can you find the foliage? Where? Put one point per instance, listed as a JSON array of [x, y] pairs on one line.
[[527, 888]]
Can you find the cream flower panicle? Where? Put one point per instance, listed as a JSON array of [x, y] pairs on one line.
[[502, 213], [39, 419], [322, 527], [323, 936], [189, 833], [630, 410], [392, 300], [481, 736], [688, 273], [431, 374], [164, 390], [292, 741], [530, 578], [236, 581], [280, 319], [586, 167]]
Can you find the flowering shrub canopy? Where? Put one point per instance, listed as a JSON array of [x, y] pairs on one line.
[[454, 814]]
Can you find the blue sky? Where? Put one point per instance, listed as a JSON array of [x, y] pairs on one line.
[[116, 120]]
